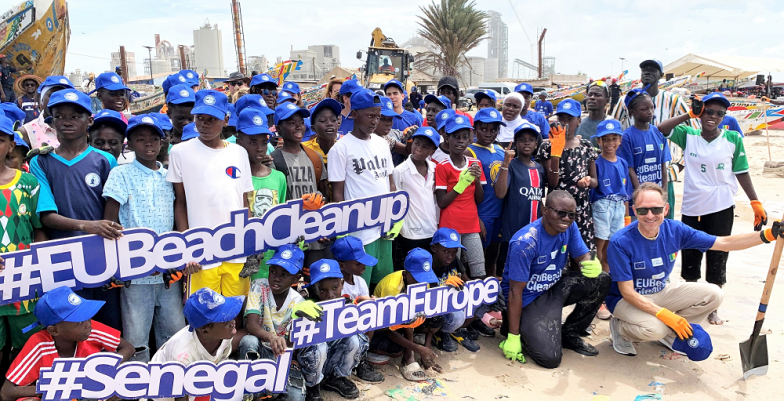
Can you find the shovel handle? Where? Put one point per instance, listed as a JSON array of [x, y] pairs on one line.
[[772, 270]]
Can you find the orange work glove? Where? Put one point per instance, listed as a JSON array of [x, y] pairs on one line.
[[760, 216], [678, 324], [410, 325], [116, 283], [697, 107], [557, 140], [455, 282], [172, 276], [312, 201]]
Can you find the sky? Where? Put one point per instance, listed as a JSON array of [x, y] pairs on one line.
[[588, 37]]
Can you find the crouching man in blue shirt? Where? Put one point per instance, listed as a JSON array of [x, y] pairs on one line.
[[645, 306]]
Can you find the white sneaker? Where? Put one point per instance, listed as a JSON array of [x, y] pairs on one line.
[[376, 359], [667, 342], [604, 313], [620, 344]]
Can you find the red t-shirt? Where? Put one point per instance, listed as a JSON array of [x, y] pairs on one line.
[[462, 113], [461, 215], [39, 352]]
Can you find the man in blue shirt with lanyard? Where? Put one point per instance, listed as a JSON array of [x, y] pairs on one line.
[[537, 288], [543, 106], [645, 306]]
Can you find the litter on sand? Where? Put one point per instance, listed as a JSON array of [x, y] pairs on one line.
[[646, 397]]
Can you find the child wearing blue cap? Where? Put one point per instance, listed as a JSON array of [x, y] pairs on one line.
[[210, 178], [417, 176], [485, 99], [38, 132], [442, 152], [347, 89], [132, 192], [72, 178], [386, 129], [112, 92], [396, 93], [179, 104], [17, 157], [108, 132], [166, 126], [68, 331], [399, 340], [211, 333], [571, 164], [459, 190], [324, 121]]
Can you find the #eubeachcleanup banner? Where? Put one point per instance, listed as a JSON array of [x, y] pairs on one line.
[[91, 261]]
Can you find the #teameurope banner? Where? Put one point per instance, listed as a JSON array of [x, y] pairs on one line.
[[91, 261]]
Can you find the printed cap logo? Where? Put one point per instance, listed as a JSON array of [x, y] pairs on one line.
[[262, 102], [426, 266], [444, 116], [71, 96], [286, 254], [64, 81], [190, 75], [459, 120], [493, 114], [568, 106], [209, 99], [324, 268], [115, 79], [181, 78], [694, 343], [183, 93], [74, 299], [264, 78], [289, 86], [147, 120], [389, 105], [257, 120], [609, 126], [453, 236], [291, 106]]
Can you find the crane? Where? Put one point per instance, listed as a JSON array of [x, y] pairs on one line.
[[239, 35]]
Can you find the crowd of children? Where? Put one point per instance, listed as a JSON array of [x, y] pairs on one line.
[[469, 193]]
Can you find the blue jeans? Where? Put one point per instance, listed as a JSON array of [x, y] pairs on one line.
[[251, 348], [453, 321], [607, 217], [334, 359], [145, 305]]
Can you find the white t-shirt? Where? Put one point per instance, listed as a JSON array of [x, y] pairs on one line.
[[365, 167], [215, 182], [421, 221], [439, 156], [359, 288]]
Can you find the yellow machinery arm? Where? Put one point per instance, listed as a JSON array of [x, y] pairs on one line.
[[377, 38]]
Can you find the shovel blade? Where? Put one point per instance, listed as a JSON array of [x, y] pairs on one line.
[[754, 356]]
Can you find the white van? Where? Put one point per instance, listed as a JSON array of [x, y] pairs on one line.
[[504, 88]]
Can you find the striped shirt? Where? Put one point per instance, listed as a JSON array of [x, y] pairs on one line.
[[666, 105]]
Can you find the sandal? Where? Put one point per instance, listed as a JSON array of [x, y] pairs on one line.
[[413, 372]]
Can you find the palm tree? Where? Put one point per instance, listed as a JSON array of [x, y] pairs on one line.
[[454, 27]]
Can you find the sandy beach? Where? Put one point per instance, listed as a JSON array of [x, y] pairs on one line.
[[486, 375]]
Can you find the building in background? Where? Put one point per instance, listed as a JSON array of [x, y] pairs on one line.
[[327, 56], [130, 58], [474, 73], [497, 47], [259, 64], [491, 69], [309, 70], [208, 50]]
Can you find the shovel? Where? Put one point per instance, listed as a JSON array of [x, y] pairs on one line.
[[754, 351]]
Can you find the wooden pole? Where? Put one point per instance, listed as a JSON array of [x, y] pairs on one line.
[[767, 134], [183, 62], [123, 64]]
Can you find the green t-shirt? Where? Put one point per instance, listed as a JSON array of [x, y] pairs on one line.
[[267, 192]]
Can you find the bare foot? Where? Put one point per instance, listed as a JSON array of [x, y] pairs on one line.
[[714, 318], [431, 364]]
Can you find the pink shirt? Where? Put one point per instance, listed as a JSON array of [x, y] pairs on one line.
[[39, 132]]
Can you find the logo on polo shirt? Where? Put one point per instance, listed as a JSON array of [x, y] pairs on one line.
[[609, 126], [74, 299], [233, 172], [147, 120], [324, 268], [115, 80], [568, 106], [257, 120], [286, 254], [453, 236], [64, 81], [426, 266], [183, 93], [209, 100], [181, 78], [92, 180], [493, 114], [71, 96]]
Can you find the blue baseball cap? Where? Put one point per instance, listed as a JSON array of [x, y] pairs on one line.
[[232, 116], [109, 81], [191, 76], [206, 306], [289, 257], [173, 79], [7, 126], [144, 120], [457, 122], [351, 248], [488, 115], [527, 125], [524, 87], [255, 101], [608, 127], [163, 120], [443, 100], [62, 305], [698, 347], [443, 116], [485, 94], [263, 79], [570, 107], [211, 103], [716, 96], [653, 62], [55, 80], [447, 237], [286, 110], [291, 87], [189, 132], [327, 103], [429, 133], [12, 111], [387, 108], [252, 121], [111, 117], [19, 141], [71, 96], [364, 99], [324, 268], [308, 129], [179, 94], [421, 104], [349, 87], [394, 82], [284, 96], [419, 263]]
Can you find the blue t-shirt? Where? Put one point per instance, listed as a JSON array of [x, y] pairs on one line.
[[346, 125], [544, 107], [72, 188], [523, 201], [539, 120], [648, 263], [613, 180], [730, 123], [539, 258], [491, 157], [411, 118], [645, 151]]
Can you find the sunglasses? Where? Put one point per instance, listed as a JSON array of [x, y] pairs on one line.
[[597, 83], [717, 113], [235, 83], [267, 92], [561, 214], [643, 211]]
